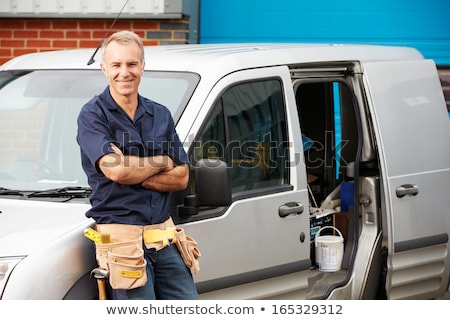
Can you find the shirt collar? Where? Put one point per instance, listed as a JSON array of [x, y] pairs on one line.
[[112, 105]]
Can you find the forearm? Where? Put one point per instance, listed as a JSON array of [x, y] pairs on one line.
[[132, 169], [172, 180]]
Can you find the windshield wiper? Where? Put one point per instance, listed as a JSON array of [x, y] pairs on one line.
[[69, 192], [10, 192]]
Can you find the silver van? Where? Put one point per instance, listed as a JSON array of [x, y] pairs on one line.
[[317, 171]]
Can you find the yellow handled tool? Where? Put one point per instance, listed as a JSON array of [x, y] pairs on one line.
[[98, 273], [96, 236]]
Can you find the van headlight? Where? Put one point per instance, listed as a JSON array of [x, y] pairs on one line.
[[6, 267]]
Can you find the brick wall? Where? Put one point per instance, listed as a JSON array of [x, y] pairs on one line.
[[20, 36]]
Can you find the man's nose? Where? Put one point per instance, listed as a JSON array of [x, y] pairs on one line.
[[124, 70]]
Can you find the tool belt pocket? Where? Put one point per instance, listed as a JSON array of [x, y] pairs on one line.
[[125, 262], [188, 249], [127, 272]]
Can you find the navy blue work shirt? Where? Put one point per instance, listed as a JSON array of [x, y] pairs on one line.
[[101, 122]]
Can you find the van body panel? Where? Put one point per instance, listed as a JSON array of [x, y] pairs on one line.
[[32, 237], [409, 115], [377, 119], [252, 238], [219, 59], [26, 232]]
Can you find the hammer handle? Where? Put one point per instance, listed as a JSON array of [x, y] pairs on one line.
[[101, 289]]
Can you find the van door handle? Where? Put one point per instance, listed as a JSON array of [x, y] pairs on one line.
[[290, 208], [406, 189]]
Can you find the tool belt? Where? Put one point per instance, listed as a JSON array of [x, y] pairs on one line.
[[123, 256]]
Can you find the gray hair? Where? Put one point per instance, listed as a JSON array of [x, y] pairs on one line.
[[124, 37]]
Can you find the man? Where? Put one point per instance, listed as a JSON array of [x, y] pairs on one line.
[[133, 157]]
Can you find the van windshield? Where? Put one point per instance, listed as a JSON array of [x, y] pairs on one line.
[[38, 121]]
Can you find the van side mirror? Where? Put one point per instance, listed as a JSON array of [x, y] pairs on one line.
[[212, 185]]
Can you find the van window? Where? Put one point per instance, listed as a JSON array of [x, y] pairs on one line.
[[327, 117], [247, 129], [38, 121]]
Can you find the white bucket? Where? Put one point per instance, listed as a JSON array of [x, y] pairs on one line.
[[329, 250]]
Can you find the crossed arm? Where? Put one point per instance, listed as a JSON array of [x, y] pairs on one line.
[[157, 173]]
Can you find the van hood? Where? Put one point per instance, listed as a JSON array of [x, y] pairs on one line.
[[27, 225]]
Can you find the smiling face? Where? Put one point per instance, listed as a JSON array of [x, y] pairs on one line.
[[123, 66]]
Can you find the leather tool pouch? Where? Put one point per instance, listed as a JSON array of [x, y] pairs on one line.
[[189, 250], [123, 257]]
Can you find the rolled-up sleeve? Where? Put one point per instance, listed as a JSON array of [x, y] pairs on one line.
[[93, 135]]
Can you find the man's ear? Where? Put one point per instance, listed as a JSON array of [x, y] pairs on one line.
[[102, 66]]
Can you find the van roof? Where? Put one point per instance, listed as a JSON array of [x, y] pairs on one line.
[[226, 57]]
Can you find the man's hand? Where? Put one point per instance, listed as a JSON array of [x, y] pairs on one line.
[[171, 180], [116, 149]]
